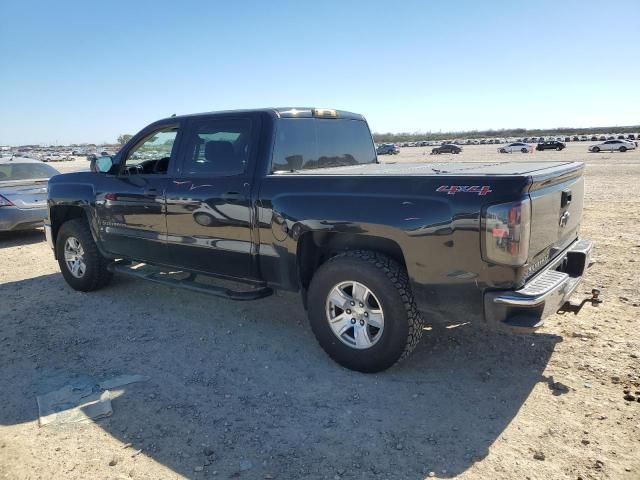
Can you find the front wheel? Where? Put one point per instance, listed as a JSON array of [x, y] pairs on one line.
[[595, 149], [81, 264], [362, 311], [524, 150], [623, 149]]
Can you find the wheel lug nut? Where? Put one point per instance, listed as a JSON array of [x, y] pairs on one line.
[[366, 314], [353, 304], [353, 321], [362, 323], [361, 304], [348, 311]]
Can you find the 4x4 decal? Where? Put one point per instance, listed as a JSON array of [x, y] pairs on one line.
[[453, 189]]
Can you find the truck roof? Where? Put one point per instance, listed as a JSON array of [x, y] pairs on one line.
[[442, 168], [280, 112]]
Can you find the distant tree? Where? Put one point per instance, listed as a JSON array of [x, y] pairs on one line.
[[124, 138]]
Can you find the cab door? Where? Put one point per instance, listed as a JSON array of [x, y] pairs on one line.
[[209, 205], [131, 204]]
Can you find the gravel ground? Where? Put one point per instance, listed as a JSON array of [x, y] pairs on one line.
[[242, 390]]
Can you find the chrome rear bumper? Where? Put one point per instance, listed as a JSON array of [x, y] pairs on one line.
[[543, 295]]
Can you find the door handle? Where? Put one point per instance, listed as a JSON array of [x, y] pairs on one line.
[[231, 196]]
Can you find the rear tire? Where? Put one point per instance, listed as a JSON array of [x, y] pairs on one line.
[[389, 293], [524, 150], [81, 264]]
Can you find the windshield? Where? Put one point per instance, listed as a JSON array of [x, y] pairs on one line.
[[309, 143], [12, 171]]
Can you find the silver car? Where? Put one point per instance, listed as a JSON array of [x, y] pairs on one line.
[[23, 193]]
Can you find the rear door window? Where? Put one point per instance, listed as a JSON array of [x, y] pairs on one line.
[[218, 147], [310, 143]]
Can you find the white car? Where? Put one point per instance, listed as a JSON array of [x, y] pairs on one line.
[[612, 146], [515, 147]]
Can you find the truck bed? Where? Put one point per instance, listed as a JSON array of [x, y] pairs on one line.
[[440, 168]]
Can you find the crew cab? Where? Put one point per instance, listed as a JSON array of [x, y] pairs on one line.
[[295, 199]]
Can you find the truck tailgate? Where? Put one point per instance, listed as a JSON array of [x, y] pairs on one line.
[[556, 212]]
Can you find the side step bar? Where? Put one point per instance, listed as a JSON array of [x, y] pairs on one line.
[[154, 274]]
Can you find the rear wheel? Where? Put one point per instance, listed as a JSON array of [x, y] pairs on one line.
[[81, 264], [524, 150], [362, 311]]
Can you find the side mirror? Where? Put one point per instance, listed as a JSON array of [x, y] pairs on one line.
[[102, 164]]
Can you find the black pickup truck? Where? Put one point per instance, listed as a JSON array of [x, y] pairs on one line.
[[295, 199]]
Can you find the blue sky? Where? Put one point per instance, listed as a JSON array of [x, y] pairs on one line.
[[78, 71]]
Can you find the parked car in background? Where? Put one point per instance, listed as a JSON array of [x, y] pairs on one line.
[[386, 149], [23, 193], [446, 148], [631, 136], [575, 138], [515, 147], [551, 145], [612, 146], [583, 138]]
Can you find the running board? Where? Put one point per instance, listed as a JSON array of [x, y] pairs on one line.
[[157, 275]]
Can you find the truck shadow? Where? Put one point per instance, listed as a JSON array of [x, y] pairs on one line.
[[245, 384]]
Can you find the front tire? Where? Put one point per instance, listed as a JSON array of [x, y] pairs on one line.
[[524, 150], [81, 264], [595, 149], [362, 311], [623, 149]]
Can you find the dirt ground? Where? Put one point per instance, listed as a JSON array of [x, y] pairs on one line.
[[242, 390]]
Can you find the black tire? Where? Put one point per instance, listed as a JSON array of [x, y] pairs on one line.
[[623, 149], [435, 151], [559, 149], [595, 149], [503, 150], [388, 281], [96, 274], [524, 150]]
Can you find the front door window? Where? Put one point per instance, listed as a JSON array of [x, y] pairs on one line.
[[151, 155]]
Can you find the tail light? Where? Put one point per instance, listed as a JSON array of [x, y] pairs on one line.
[[506, 233], [4, 202]]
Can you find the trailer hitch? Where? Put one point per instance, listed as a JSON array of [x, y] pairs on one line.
[[595, 300]]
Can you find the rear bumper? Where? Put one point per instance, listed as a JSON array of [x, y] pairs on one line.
[[525, 309], [12, 218]]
